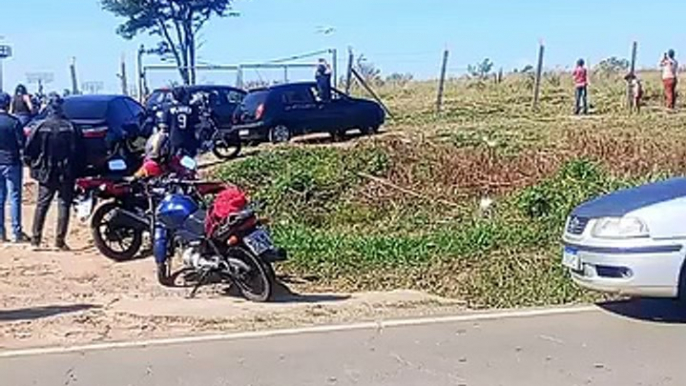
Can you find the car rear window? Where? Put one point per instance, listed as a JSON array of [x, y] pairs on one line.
[[75, 109], [254, 99], [158, 97]]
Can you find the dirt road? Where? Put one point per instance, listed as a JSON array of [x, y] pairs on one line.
[[50, 298]]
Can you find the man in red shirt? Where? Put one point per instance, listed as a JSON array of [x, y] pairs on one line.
[[581, 83]]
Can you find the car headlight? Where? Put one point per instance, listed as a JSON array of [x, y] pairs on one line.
[[620, 228]]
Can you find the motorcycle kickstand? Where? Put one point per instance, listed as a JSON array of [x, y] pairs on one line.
[[201, 281]]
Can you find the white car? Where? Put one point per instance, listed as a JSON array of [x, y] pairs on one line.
[[630, 242]]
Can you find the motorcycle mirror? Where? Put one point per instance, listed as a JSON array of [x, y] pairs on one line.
[[117, 165], [189, 163]]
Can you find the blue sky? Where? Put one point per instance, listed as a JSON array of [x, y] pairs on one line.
[[397, 35]]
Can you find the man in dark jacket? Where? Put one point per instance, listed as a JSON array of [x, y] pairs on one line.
[[54, 152], [11, 144]]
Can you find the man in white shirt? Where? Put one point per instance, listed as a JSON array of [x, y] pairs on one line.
[[670, 72]]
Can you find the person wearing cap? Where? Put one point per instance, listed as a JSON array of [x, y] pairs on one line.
[[11, 145], [55, 153], [323, 78]]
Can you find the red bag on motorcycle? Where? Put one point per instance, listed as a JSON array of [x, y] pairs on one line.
[[229, 201]]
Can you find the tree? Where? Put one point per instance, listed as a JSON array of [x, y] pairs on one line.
[[369, 72], [612, 65], [176, 22], [480, 70], [399, 79]]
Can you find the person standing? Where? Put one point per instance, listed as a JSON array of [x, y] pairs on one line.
[[323, 78], [11, 145], [54, 152], [180, 119], [580, 76], [22, 106], [670, 75]]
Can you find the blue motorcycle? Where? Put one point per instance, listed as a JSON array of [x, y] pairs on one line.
[[240, 252]]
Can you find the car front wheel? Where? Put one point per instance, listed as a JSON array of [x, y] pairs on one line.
[[370, 130]]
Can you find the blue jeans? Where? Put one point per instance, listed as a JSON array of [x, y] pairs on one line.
[[11, 181], [581, 100]]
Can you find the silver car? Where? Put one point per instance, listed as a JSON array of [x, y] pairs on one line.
[[630, 242]]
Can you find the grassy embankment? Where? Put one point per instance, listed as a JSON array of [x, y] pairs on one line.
[[403, 209]]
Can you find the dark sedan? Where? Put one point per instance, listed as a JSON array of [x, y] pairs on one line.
[[281, 112], [109, 123]]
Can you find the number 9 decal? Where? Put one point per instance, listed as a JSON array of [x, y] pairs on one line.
[[182, 119]]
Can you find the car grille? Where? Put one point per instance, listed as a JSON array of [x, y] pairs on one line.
[[577, 225]]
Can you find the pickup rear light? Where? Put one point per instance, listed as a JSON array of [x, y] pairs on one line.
[[95, 132], [260, 111]]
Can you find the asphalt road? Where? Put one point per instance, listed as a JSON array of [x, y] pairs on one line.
[[633, 344]]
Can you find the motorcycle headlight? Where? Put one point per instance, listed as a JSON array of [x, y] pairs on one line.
[[620, 228]]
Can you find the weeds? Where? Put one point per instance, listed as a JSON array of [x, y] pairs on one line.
[[417, 223]]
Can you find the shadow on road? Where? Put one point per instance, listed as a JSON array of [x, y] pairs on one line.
[[650, 310], [41, 312], [283, 294]]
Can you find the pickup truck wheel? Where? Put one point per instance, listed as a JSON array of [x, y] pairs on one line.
[[280, 134]]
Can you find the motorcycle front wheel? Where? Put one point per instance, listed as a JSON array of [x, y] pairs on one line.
[[252, 278], [116, 241], [226, 148]]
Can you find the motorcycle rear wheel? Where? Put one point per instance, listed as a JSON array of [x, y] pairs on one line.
[[257, 284], [105, 236]]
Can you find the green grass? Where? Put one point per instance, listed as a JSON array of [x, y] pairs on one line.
[[416, 222]]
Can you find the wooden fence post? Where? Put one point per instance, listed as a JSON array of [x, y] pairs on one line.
[[632, 71], [539, 73], [349, 72], [441, 82]]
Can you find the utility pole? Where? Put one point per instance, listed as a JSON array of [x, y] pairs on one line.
[[122, 76], [334, 55], [140, 73], [74, 80], [539, 73], [441, 82]]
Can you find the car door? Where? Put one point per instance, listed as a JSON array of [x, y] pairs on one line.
[[301, 111], [335, 114]]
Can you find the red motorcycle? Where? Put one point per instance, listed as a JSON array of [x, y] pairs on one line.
[[118, 224]]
